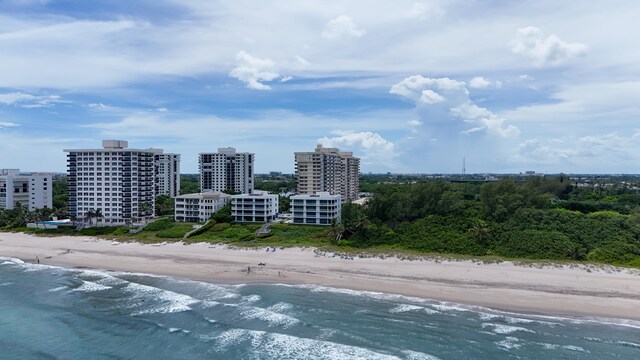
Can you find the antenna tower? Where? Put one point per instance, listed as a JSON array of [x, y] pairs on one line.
[[464, 166]]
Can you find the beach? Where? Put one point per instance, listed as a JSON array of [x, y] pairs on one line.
[[581, 290]]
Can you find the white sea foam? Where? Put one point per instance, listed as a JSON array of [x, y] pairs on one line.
[[271, 317], [10, 260], [252, 298], [505, 329], [6, 284], [89, 286], [408, 307], [163, 301], [280, 307], [60, 288], [281, 346], [574, 348], [414, 355], [179, 330], [509, 343]]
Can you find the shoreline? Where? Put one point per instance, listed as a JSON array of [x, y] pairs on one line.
[[613, 293]]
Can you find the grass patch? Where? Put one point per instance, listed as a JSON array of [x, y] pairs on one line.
[[158, 225], [176, 232]]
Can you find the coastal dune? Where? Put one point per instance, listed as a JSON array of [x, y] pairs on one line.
[[581, 290]]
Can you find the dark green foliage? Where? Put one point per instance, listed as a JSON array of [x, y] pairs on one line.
[[275, 185], [175, 232], [536, 218], [159, 225], [284, 204], [189, 184], [223, 215], [164, 205]]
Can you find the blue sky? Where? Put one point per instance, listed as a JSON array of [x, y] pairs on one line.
[[409, 86]]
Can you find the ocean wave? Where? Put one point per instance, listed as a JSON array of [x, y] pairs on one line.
[[6, 284], [509, 343], [10, 260], [505, 329], [252, 298], [89, 286], [163, 301], [280, 307], [271, 317], [408, 307], [281, 346], [60, 288], [414, 355]]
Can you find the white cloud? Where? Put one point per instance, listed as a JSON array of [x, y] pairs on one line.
[[525, 77], [424, 10], [253, 71], [30, 101], [341, 27], [370, 146], [415, 122], [531, 43], [430, 97], [12, 98], [4, 124], [479, 82], [578, 152], [449, 100]]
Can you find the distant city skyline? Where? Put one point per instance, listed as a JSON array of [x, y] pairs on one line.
[[408, 86]]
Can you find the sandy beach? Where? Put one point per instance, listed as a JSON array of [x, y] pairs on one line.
[[551, 290]]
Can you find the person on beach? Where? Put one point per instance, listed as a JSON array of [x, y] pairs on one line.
[[37, 260]]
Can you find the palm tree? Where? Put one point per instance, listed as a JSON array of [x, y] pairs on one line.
[[480, 230], [97, 214]]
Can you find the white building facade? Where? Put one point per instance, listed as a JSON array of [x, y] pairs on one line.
[[226, 170], [257, 207], [167, 167], [328, 170], [117, 180], [199, 207], [32, 190], [319, 209]]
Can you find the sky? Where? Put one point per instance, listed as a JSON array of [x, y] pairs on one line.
[[408, 86]]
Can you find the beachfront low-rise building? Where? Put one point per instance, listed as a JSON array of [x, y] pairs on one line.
[[321, 208], [200, 206], [31, 190], [257, 207]]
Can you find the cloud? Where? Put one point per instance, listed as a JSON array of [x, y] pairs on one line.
[[12, 98], [424, 10], [4, 124], [30, 101], [253, 71], [530, 43], [447, 100], [370, 146], [341, 27], [479, 82], [583, 152]]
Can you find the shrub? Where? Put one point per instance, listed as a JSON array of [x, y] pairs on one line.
[[174, 233], [161, 224]]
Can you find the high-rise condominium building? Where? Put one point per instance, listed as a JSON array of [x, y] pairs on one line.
[[226, 170], [119, 181], [328, 170], [168, 174], [31, 190]]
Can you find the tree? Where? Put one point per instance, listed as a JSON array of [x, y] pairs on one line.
[[164, 205]]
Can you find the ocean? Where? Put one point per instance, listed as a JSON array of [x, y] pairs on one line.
[[56, 313]]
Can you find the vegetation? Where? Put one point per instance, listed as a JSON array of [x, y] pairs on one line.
[[189, 184], [557, 218], [537, 218]]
